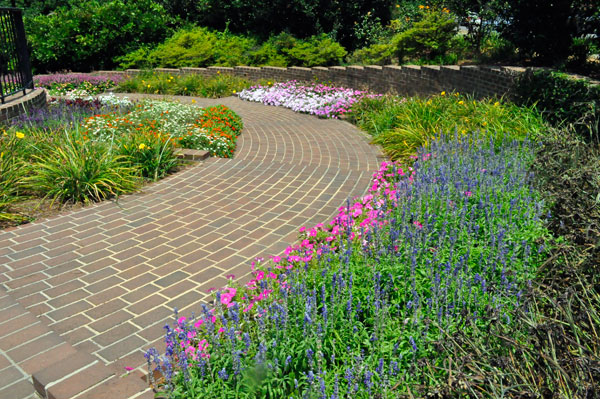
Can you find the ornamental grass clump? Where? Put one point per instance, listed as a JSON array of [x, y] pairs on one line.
[[401, 126], [11, 171], [316, 99], [76, 169], [363, 306]]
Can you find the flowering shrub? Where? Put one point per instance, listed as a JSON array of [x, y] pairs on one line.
[[61, 84], [363, 306], [317, 99]]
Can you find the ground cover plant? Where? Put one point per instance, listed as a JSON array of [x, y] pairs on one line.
[[221, 85], [83, 150], [61, 84], [316, 99], [365, 305], [401, 125]]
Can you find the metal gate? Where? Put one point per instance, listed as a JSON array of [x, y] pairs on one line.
[[15, 69]]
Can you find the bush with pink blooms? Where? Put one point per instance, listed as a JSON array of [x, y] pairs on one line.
[[316, 99]]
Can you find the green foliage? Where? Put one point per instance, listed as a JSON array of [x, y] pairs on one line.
[[428, 38], [152, 154], [11, 171], [565, 101], [201, 47], [80, 170], [480, 17], [544, 31], [403, 125], [90, 34], [221, 85], [369, 30], [301, 18], [375, 54], [316, 51]]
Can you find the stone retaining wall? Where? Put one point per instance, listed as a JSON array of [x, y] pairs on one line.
[[480, 81], [19, 104]]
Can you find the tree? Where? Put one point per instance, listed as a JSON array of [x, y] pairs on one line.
[[542, 30]]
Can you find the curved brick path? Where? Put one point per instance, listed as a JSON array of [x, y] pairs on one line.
[[82, 294]]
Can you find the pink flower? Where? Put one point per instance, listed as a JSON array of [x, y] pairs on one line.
[[312, 233], [468, 193], [128, 368], [181, 320], [276, 259], [260, 275], [198, 323], [418, 224]]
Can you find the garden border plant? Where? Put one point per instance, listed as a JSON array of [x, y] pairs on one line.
[[87, 149]]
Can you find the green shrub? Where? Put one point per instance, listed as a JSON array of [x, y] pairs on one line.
[[90, 34], [562, 99], [80, 170], [192, 47], [273, 52], [316, 51], [201, 47], [375, 54], [403, 125], [428, 38]]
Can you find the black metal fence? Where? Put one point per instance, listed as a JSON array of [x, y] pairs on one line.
[[15, 70]]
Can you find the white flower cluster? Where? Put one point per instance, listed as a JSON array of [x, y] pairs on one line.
[[318, 99]]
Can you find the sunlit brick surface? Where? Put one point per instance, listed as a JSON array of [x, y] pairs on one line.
[[103, 280]]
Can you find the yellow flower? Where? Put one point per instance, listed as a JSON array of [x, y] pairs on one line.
[[484, 123], [148, 86], [193, 101], [421, 7], [461, 102], [218, 72], [443, 93], [397, 5], [428, 102], [496, 104], [19, 135], [142, 146], [463, 131], [269, 83], [1, 154], [234, 92]]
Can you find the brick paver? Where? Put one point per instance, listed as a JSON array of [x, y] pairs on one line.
[[92, 288]]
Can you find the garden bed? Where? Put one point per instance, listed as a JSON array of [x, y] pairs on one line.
[[83, 149]]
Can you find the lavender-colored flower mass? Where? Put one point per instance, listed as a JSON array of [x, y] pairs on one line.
[[318, 99]]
